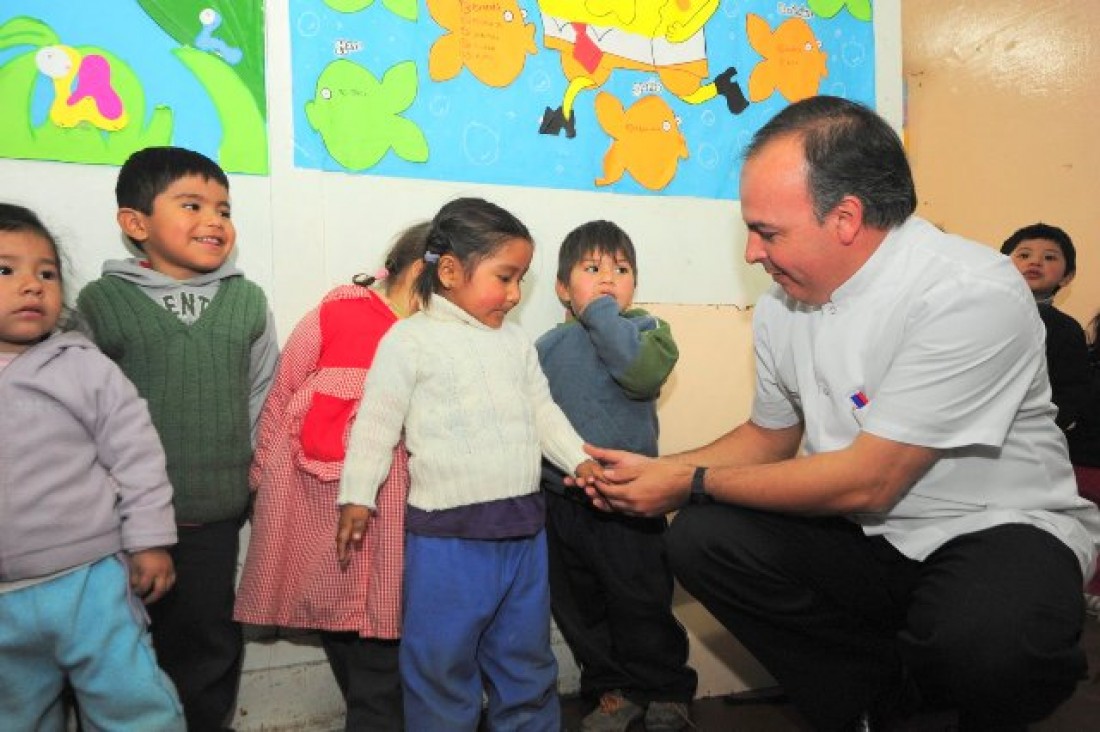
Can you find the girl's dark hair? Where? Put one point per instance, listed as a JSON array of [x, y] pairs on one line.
[[407, 249], [17, 219], [469, 229], [595, 237]]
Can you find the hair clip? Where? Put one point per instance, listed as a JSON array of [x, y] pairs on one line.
[[380, 274], [431, 257]]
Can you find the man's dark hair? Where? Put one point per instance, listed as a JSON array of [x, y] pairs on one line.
[[1048, 232], [148, 173], [594, 237], [849, 150]]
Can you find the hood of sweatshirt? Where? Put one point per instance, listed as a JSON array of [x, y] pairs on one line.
[[187, 299]]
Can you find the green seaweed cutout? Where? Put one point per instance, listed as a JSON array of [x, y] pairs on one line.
[[243, 146], [24, 31], [242, 27]]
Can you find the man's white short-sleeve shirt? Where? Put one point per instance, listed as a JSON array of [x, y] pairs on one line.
[[935, 341]]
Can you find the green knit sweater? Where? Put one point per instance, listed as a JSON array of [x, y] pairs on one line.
[[196, 381]]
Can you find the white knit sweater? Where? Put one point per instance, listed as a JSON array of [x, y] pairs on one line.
[[476, 410]]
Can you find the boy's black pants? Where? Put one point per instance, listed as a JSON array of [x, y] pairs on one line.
[[611, 596], [197, 642]]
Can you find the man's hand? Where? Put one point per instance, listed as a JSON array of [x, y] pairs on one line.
[[638, 485], [353, 525], [152, 574]]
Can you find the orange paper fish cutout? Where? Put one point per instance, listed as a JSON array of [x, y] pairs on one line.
[[793, 64], [647, 141], [491, 38]]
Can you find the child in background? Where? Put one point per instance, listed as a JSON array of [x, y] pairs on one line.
[[198, 341], [610, 584], [1047, 259], [1084, 439], [477, 416], [87, 512], [292, 576], [1084, 448]]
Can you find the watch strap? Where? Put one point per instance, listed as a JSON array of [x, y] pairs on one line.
[[698, 486]]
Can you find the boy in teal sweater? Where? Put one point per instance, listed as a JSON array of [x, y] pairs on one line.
[[610, 584], [198, 341]]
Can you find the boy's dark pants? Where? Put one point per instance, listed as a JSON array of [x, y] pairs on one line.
[[611, 596], [989, 624], [197, 642], [366, 672]]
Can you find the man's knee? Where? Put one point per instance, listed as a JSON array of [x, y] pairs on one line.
[[692, 536], [1018, 665]]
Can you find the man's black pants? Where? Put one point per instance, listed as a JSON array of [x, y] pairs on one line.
[[989, 624]]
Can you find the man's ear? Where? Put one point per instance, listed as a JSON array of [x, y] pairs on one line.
[[848, 216], [133, 224]]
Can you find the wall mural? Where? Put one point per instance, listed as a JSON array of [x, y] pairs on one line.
[[91, 82], [631, 96]]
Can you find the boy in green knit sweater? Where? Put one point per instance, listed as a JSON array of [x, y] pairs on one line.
[[198, 341]]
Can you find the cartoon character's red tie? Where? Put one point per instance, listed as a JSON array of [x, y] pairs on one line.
[[584, 49]]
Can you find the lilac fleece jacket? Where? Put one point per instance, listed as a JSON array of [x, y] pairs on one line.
[[82, 472]]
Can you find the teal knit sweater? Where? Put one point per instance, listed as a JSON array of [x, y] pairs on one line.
[[196, 381]]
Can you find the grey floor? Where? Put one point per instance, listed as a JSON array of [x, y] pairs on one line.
[[1081, 713]]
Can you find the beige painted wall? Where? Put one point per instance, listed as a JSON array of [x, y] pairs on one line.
[[1003, 103]]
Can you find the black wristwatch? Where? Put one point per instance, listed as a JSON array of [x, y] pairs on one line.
[[698, 487]]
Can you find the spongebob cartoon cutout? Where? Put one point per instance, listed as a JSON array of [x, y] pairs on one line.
[[596, 37]]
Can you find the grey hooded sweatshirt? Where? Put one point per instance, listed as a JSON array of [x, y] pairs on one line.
[[82, 471]]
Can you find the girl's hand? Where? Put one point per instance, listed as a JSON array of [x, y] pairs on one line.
[[587, 473], [152, 574], [353, 525]]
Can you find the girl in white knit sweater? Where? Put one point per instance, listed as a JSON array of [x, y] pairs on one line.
[[477, 415]]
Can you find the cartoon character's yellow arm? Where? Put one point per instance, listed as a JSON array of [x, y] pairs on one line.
[[683, 24], [445, 58]]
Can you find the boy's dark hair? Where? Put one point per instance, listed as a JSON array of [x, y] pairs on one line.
[[406, 250], [470, 229], [1048, 232], [148, 173], [595, 237]]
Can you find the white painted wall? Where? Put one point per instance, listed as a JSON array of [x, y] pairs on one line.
[[293, 241]]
